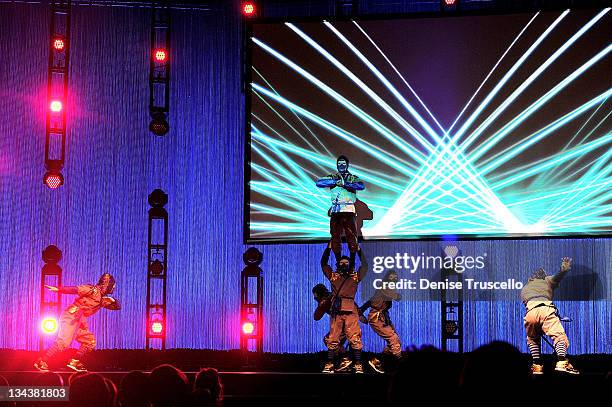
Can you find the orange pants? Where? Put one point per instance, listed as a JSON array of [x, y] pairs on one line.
[[544, 320], [345, 323]]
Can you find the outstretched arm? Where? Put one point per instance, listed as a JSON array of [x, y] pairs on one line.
[[111, 303], [63, 290]]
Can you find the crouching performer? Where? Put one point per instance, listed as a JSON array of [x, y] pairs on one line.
[[542, 318], [73, 321], [380, 320], [344, 315]]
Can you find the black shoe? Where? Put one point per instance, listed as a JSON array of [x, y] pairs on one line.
[[358, 367], [76, 365], [41, 365]]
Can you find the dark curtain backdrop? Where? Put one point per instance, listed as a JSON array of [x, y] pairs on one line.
[[99, 217]]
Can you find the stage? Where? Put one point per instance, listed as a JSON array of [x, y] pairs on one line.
[[280, 379]]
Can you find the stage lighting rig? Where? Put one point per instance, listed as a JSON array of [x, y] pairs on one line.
[[57, 90], [53, 178], [50, 301], [451, 303], [249, 9], [251, 303], [159, 71], [449, 5], [157, 270]]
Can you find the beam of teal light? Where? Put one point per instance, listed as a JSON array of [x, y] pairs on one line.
[[550, 179], [561, 171], [348, 136], [381, 181], [362, 115], [482, 149], [591, 177], [298, 197], [584, 209], [514, 150], [520, 34], [294, 149], [385, 132], [398, 96], [437, 219], [373, 95], [506, 78], [390, 156], [296, 116], [381, 77], [552, 196], [293, 179], [593, 145], [544, 177], [400, 75], [303, 181], [283, 213], [517, 92], [517, 148]]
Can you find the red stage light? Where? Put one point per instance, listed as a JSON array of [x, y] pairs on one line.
[[59, 44], [248, 328], [248, 8], [53, 181], [450, 2], [55, 106], [161, 55], [49, 325], [157, 327]]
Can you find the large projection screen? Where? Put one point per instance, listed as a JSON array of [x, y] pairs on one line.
[[466, 126]]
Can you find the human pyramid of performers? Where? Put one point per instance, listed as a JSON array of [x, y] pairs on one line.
[[541, 316]]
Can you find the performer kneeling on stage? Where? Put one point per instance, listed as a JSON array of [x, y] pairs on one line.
[[542, 317], [344, 315], [343, 186], [323, 298], [73, 321], [380, 321]]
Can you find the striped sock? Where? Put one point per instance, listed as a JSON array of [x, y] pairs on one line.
[[534, 349], [357, 355], [561, 350], [331, 353]]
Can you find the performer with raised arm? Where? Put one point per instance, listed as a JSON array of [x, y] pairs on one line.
[[343, 187], [380, 321], [73, 321], [344, 315], [542, 317]]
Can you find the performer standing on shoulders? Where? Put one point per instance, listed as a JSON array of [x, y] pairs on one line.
[[542, 317], [380, 321], [344, 316], [73, 321], [343, 186]]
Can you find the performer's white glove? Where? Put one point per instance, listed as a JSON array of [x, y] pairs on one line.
[[566, 263]]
